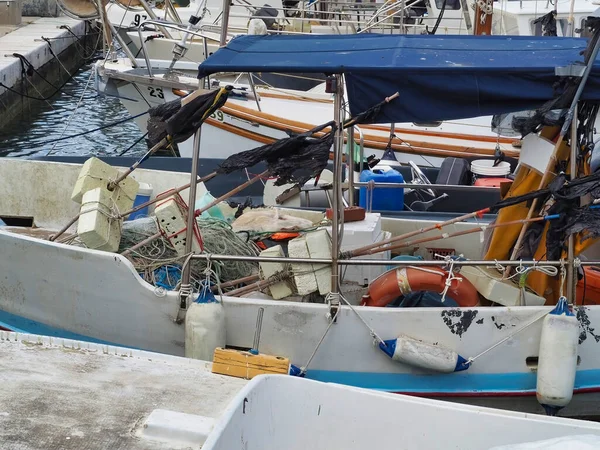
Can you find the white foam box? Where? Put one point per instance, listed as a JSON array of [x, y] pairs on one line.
[[505, 293], [95, 227], [361, 233], [358, 234], [97, 174], [304, 276], [319, 246], [173, 221], [281, 289]]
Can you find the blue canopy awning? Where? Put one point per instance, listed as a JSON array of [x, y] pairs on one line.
[[438, 77]]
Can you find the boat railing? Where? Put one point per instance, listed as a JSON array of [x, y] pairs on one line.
[[391, 262], [199, 33], [342, 22]]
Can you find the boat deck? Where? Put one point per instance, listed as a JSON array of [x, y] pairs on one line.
[[62, 394], [40, 233]]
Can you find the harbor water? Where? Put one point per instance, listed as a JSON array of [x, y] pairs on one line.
[[45, 128]]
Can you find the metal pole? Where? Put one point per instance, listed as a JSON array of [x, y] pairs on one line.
[[189, 232], [153, 16], [402, 8], [225, 23], [571, 271], [350, 159], [337, 219], [383, 262], [122, 44]]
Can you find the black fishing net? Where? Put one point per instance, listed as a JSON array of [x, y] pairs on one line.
[[179, 122], [531, 241], [571, 220], [295, 159], [564, 89], [548, 24], [559, 189]]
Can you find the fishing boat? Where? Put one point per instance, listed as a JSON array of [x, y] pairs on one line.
[[476, 352], [220, 412], [68, 291]]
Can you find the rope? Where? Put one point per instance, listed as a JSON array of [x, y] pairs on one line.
[[83, 133], [78, 40], [520, 271], [217, 238], [74, 111], [56, 57], [27, 69], [138, 140]]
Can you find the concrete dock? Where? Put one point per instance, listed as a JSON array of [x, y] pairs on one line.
[[62, 394], [43, 65]]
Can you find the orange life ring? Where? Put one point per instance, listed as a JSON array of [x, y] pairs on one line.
[[402, 281]]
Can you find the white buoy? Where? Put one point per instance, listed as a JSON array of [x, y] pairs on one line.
[[557, 362], [205, 330], [414, 352]]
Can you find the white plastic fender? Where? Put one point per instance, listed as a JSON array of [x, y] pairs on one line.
[[204, 330], [414, 352], [557, 361]]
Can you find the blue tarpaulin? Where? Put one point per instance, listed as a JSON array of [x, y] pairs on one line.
[[438, 77]]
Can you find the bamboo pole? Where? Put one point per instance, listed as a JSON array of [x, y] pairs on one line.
[[65, 228], [113, 184], [461, 233], [231, 193], [366, 250], [248, 279]]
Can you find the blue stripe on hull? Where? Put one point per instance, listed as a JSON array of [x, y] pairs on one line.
[[452, 383], [458, 383], [23, 325]]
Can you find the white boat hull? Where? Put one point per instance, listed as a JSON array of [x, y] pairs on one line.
[[241, 126], [56, 289], [327, 416]]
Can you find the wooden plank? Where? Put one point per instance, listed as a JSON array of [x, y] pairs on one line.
[[239, 364]]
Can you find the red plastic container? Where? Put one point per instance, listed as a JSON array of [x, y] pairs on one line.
[[591, 280], [491, 182]]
